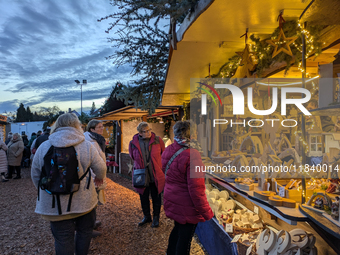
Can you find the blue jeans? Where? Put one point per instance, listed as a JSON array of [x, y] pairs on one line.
[[64, 232]]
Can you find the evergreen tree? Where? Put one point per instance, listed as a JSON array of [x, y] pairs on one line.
[[21, 114], [142, 43], [112, 103], [93, 109], [35, 116], [29, 114]]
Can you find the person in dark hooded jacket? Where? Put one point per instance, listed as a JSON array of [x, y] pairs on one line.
[[43, 137], [33, 137]]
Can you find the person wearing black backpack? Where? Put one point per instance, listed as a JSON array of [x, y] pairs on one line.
[[67, 197]]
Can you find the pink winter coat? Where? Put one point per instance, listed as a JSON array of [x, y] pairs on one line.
[[184, 197], [156, 152], [3, 157]]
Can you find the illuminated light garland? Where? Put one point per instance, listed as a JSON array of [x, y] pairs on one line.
[[262, 51], [303, 142], [287, 84]]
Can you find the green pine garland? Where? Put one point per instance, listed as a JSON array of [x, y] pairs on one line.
[[263, 51], [167, 126]]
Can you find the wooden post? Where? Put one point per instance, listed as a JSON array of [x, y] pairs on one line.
[[122, 135], [144, 118], [303, 128], [118, 142], [181, 112]]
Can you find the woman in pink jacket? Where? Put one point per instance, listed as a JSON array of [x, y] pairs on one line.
[[144, 146], [184, 193], [3, 161]]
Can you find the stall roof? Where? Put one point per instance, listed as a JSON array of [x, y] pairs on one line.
[[3, 120], [129, 112], [212, 36]]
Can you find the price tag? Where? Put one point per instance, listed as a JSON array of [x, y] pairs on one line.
[[229, 228], [235, 239], [256, 209], [282, 191], [249, 250]]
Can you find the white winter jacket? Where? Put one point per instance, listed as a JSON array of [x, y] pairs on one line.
[[84, 200]]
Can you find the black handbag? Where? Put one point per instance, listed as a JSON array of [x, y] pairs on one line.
[[141, 176]]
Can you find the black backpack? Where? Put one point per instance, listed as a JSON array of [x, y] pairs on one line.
[[59, 175]]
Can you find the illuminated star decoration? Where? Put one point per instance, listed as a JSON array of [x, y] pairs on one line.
[[282, 41], [130, 166], [247, 64]]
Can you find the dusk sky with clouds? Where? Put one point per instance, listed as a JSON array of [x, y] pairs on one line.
[[45, 45]]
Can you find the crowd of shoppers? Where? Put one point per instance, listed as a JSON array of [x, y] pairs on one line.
[[168, 171], [16, 153]]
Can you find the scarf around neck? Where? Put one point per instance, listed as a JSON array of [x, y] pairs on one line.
[[99, 139], [182, 141]]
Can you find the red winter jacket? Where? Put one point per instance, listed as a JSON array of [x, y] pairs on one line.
[[184, 197], [156, 151]]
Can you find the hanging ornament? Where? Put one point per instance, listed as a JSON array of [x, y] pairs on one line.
[[282, 43], [247, 63]]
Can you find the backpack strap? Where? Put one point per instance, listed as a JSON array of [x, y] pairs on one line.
[[43, 169], [80, 179], [173, 158], [58, 203], [69, 202]]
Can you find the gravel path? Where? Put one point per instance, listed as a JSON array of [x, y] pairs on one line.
[[24, 232]]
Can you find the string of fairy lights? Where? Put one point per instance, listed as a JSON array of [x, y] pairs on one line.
[[311, 47]]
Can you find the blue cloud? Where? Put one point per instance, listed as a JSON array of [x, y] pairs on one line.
[[45, 45]]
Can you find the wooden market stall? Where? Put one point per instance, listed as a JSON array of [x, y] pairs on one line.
[[281, 39], [126, 119], [3, 123]]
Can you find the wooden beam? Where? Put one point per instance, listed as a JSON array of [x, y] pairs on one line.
[[121, 132]]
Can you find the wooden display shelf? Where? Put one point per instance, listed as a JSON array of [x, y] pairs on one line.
[[331, 231], [288, 215]]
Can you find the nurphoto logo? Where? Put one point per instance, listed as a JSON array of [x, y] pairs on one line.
[[239, 102]]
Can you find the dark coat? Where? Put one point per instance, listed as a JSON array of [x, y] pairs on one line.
[[184, 197], [156, 152], [41, 139], [33, 137]]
